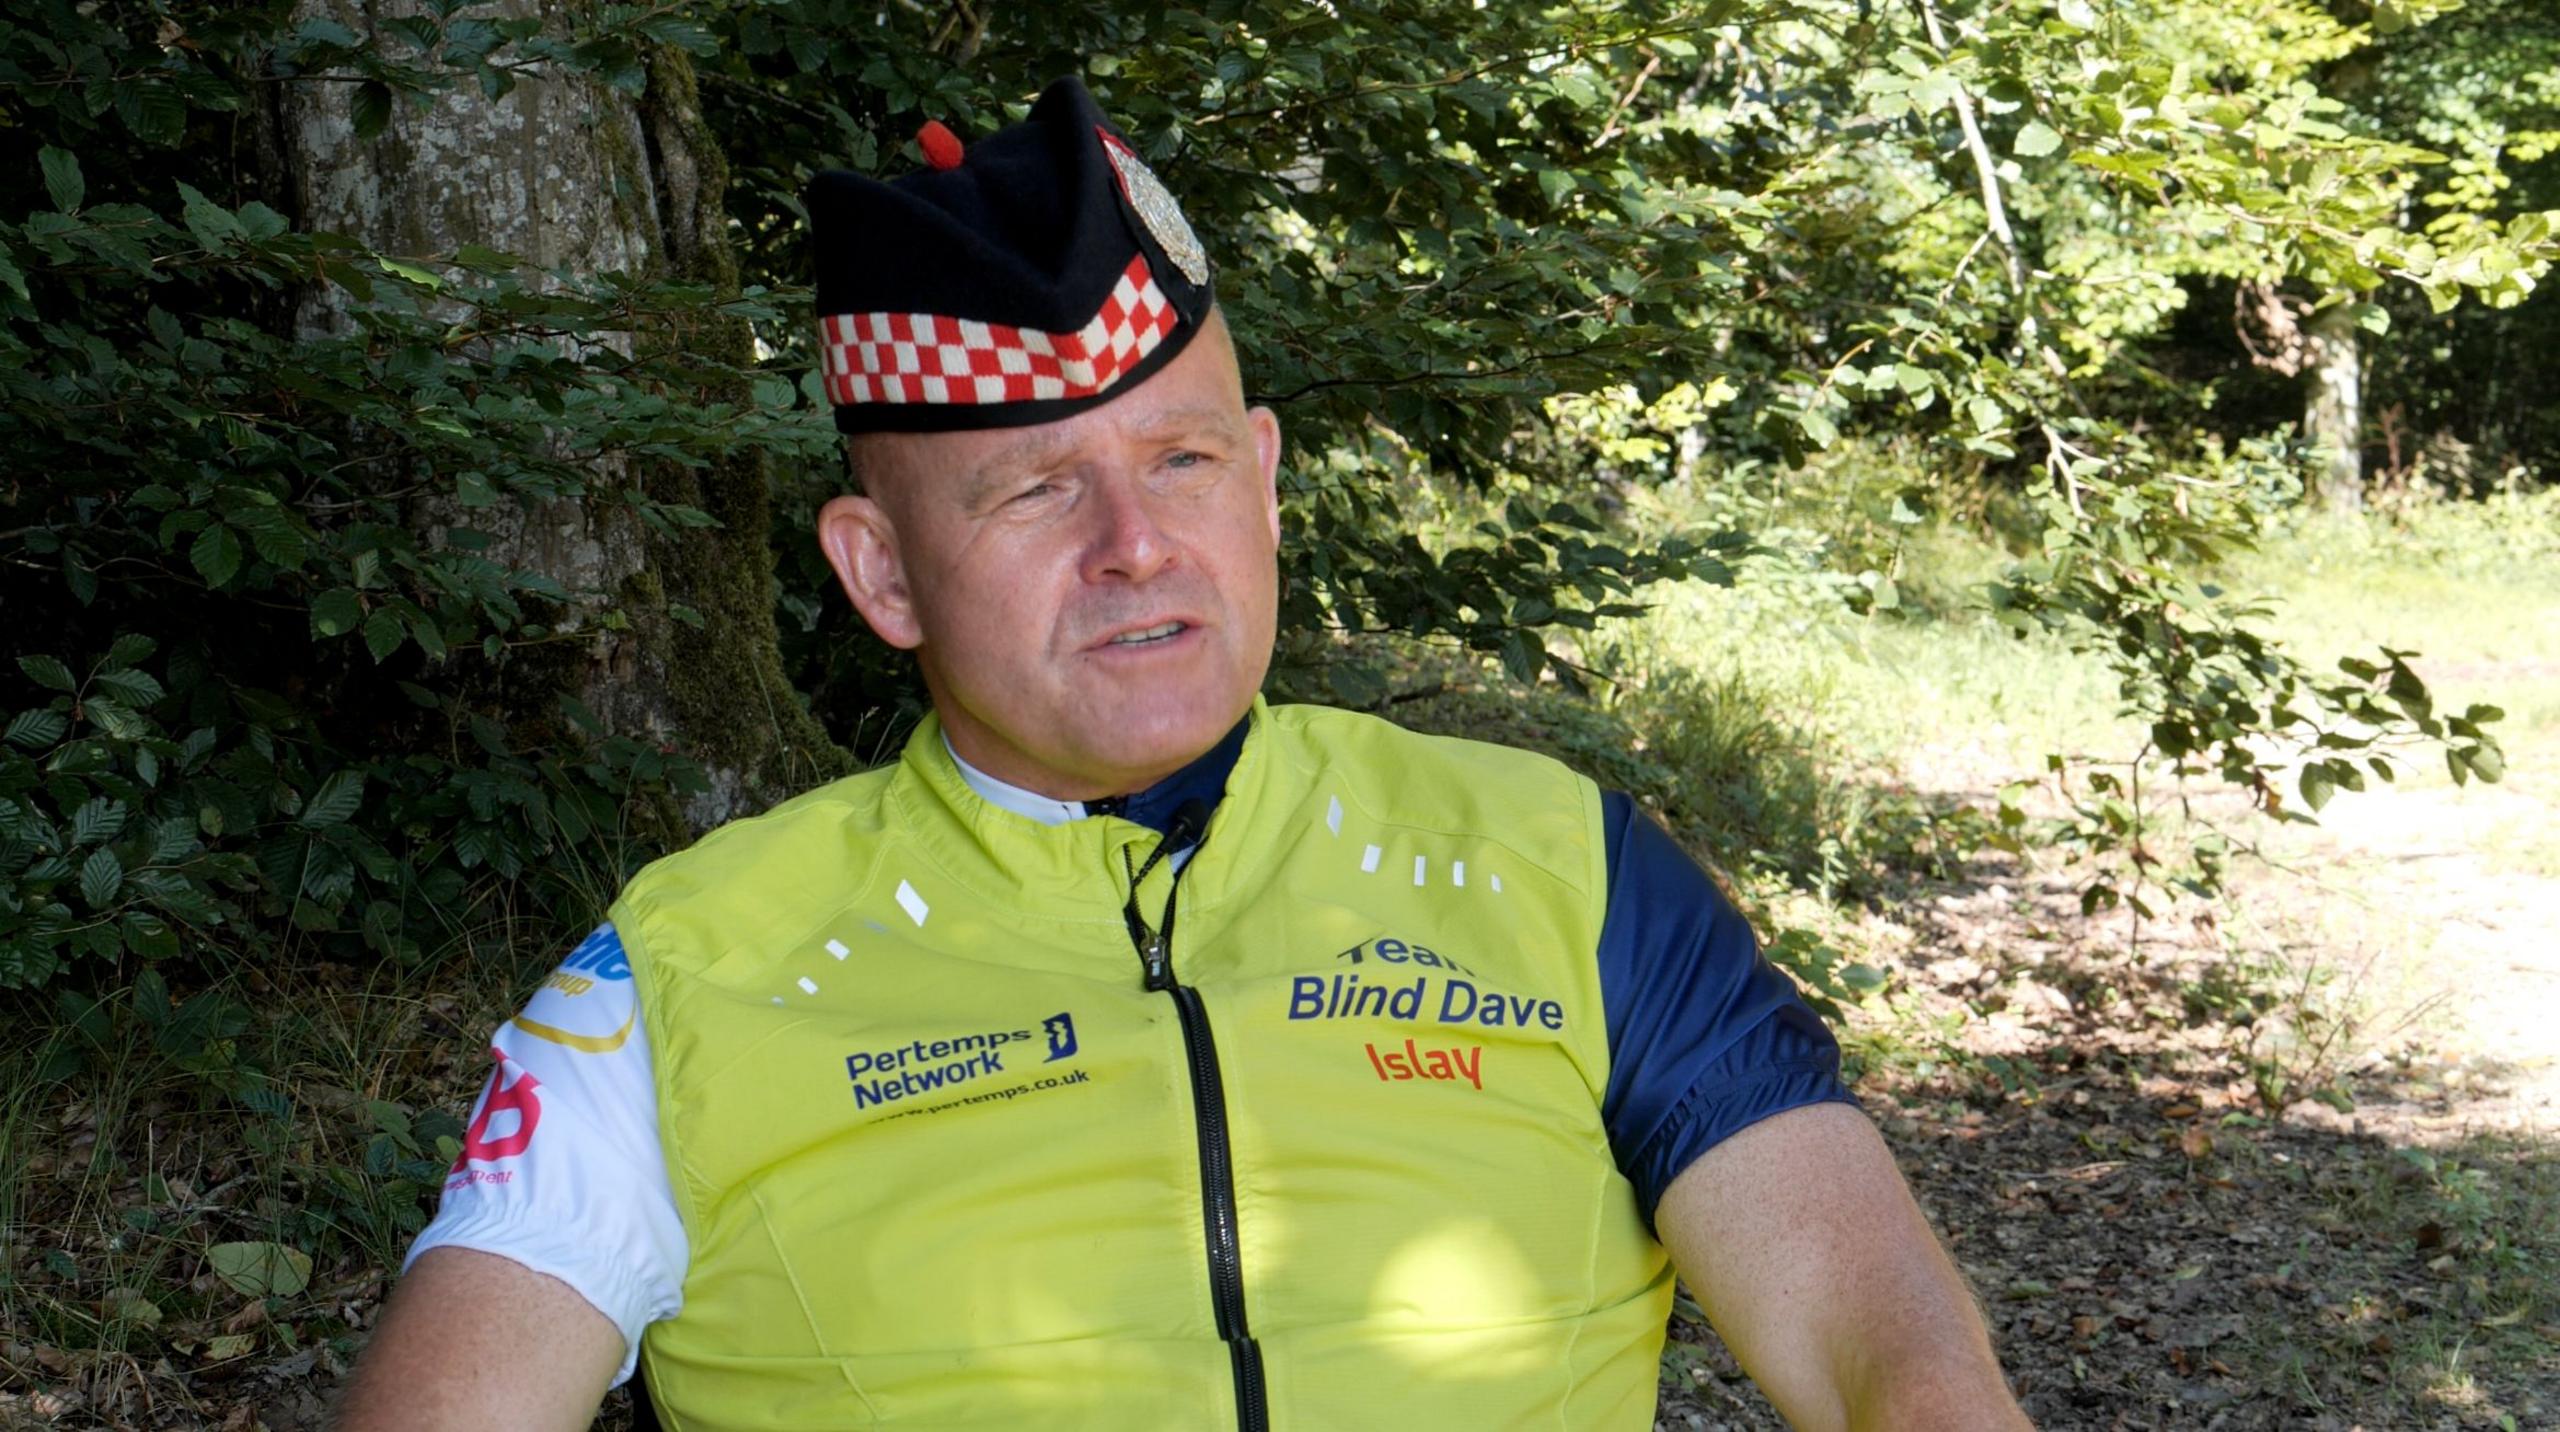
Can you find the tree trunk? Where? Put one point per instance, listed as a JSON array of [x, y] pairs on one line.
[[2333, 408], [570, 175]]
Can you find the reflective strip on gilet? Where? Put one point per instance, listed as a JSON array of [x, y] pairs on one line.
[[934, 1143]]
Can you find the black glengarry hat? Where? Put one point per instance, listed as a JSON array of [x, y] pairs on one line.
[[1041, 272]]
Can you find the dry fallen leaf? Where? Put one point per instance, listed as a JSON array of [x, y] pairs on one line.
[[2179, 1111], [2195, 1142]]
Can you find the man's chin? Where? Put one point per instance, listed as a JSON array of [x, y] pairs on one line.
[[1148, 745]]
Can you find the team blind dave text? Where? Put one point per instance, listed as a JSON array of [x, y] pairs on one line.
[[1457, 1001]]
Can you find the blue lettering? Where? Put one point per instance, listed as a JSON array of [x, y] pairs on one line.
[[1452, 1012], [600, 954], [1406, 1003], [1306, 996]]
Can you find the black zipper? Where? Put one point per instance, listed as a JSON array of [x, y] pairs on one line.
[[1209, 1116]]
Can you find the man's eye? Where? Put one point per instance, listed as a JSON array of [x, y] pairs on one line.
[[1186, 459], [1035, 490]]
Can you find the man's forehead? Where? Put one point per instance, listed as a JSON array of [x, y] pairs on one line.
[[1047, 442], [1199, 395]]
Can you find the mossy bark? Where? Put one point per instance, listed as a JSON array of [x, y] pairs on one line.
[[573, 176]]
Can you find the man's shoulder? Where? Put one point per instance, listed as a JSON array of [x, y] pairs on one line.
[[1535, 804], [1436, 761], [811, 842]]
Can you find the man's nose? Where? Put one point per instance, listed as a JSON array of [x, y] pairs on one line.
[[1127, 542]]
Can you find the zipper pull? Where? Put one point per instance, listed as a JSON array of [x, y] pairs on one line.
[[1155, 947]]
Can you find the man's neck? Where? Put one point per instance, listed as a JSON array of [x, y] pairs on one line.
[[1204, 778], [1004, 795]]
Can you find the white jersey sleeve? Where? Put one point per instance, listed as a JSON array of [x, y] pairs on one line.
[[561, 1167]]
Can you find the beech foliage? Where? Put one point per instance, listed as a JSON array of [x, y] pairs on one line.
[[1499, 265]]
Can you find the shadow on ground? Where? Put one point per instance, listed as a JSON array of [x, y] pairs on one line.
[[2164, 1233]]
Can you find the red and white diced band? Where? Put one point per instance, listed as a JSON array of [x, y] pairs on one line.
[[930, 358]]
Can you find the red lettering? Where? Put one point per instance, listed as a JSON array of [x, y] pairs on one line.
[[519, 1095]]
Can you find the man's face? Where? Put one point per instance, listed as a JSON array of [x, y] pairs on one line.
[[1091, 600]]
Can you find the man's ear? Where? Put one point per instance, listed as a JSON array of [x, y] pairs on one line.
[[862, 545], [1266, 451]]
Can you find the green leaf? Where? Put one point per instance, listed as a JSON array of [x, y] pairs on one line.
[[383, 634], [261, 1270], [2317, 786], [1524, 656], [258, 223], [47, 672], [101, 876], [371, 108], [115, 718], [336, 799], [216, 554], [155, 112], [35, 730], [336, 612], [147, 934], [62, 181], [133, 688], [2038, 139], [418, 274], [98, 820], [209, 222], [129, 649]]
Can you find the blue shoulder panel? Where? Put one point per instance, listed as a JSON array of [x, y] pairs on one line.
[[1705, 1037]]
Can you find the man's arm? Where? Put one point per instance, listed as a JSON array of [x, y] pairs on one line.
[[473, 1340], [1801, 1242]]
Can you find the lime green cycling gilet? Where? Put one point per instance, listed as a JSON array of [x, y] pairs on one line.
[[940, 1151]]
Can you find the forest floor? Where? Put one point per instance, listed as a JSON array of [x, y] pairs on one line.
[[2091, 1129], [2291, 1161]]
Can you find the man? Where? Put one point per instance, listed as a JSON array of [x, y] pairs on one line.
[[1133, 1054]]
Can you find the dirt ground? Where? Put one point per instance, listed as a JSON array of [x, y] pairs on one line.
[[2123, 1145]]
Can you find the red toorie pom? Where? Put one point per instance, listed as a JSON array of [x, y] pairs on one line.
[[941, 147]]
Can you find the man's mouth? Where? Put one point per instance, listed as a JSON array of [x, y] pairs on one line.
[[1150, 635]]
